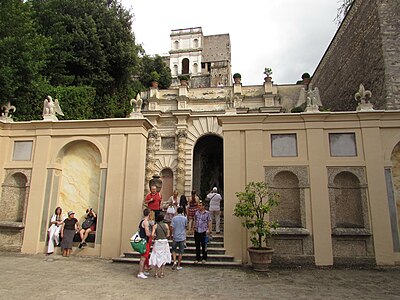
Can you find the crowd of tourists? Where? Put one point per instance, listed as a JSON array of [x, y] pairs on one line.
[[173, 219], [162, 220]]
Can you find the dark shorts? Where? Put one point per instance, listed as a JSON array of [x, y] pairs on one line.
[[178, 247]]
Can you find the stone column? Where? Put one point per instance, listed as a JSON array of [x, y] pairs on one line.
[[150, 157], [180, 172]]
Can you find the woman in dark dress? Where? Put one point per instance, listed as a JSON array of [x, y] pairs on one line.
[[68, 230], [183, 203]]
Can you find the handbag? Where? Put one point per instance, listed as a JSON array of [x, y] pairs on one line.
[[87, 223], [171, 210], [138, 244]]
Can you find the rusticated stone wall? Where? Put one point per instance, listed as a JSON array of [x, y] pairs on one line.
[[364, 50], [389, 13]]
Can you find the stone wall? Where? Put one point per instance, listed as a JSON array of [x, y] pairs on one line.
[[389, 12], [364, 50]]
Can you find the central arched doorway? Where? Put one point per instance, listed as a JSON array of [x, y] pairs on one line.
[[208, 165]]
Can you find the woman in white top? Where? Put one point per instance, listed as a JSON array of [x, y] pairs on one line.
[[171, 207], [54, 230]]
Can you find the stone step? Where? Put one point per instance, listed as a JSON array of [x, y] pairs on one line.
[[210, 250], [215, 237], [184, 262], [187, 257], [212, 244]]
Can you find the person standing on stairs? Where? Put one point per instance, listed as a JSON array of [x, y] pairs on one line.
[[202, 226], [215, 208], [178, 225]]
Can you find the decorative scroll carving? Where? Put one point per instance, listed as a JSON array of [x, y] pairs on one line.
[[181, 135]]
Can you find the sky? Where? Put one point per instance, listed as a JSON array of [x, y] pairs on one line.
[[289, 36]]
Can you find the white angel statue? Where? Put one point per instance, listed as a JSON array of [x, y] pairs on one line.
[[311, 97], [50, 108]]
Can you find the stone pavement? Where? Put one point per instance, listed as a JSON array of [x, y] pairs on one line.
[[55, 277]]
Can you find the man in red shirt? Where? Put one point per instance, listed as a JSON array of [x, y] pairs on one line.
[[153, 200]]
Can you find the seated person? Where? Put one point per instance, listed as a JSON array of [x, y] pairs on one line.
[[88, 226]]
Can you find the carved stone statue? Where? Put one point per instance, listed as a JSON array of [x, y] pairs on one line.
[[50, 108], [136, 106], [363, 96], [6, 112], [311, 97]]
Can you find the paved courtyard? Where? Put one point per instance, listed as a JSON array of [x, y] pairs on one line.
[[55, 277]]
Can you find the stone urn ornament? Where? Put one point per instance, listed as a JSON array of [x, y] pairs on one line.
[[156, 180], [268, 73], [237, 78]]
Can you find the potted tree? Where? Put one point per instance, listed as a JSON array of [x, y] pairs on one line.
[[183, 79], [155, 78], [268, 73], [237, 77], [254, 204]]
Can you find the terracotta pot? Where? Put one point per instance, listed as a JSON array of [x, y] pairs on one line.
[[237, 79], [268, 79], [154, 84], [260, 258], [184, 82]]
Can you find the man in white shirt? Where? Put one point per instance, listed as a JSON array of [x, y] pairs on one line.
[[215, 207]]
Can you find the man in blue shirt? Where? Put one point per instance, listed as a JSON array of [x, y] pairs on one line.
[[178, 224]]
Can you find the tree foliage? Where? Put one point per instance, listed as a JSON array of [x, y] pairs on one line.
[[154, 64], [253, 206], [23, 54], [82, 52]]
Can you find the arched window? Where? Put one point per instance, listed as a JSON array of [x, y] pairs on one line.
[[185, 66], [195, 43], [176, 45], [175, 70], [195, 68]]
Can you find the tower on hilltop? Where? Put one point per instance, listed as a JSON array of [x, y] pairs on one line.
[[206, 59]]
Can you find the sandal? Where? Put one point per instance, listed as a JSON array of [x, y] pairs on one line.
[[162, 275], [156, 275]]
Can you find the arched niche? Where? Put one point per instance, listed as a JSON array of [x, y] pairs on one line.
[[290, 182], [348, 200], [288, 212], [195, 68], [176, 45], [80, 181], [13, 197], [348, 203]]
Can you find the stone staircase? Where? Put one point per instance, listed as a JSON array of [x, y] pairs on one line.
[[216, 253]]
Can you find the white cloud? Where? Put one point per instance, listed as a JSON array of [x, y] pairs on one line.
[[290, 36]]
